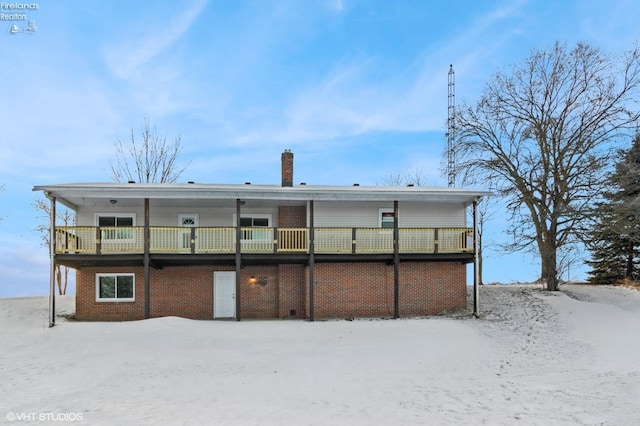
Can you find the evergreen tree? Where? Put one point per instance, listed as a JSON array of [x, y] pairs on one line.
[[614, 241]]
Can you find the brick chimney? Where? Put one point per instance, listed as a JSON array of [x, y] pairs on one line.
[[287, 168]]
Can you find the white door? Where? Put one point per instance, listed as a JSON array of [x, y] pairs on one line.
[[224, 294], [184, 236]]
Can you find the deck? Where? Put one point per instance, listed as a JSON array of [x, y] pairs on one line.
[[259, 240]]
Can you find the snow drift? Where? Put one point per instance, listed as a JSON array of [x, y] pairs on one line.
[[534, 357]]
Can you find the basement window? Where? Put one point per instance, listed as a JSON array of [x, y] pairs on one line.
[[115, 287]]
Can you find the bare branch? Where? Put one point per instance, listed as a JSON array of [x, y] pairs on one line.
[[153, 160], [542, 136], [64, 217], [410, 176]]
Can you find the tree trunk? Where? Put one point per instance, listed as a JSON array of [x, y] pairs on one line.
[[549, 266], [480, 263], [59, 279], [629, 272], [66, 280]]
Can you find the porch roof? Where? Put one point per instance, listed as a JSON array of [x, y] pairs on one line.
[[77, 194]]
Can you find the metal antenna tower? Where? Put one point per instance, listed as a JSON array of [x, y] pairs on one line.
[[451, 129]]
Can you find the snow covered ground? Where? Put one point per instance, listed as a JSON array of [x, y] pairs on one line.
[[564, 358]]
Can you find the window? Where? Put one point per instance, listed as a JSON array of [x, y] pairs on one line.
[[115, 287], [188, 219], [386, 218], [111, 223], [255, 221]]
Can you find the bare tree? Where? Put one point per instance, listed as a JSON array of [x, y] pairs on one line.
[[542, 136], [66, 218], [151, 160], [411, 176]]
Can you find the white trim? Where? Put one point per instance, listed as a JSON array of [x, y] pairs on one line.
[[115, 299]]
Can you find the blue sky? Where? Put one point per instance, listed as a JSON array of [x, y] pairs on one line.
[[356, 88]]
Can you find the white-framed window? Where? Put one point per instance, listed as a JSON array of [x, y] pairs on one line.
[[110, 223], [115, 287], [254, 221], [386, 218]]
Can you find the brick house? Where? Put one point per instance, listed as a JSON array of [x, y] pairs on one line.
[[208, 251]]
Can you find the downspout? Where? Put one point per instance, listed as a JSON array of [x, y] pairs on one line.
[[52, 261], [476, 260]]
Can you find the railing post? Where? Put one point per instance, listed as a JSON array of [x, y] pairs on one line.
[[276, 240], [193, 240], [98, 240], [436, 243], [353, 240]]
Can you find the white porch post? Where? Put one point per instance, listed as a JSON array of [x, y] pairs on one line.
[[52, 262]]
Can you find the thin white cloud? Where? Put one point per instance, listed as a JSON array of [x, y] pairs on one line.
[[609, 24], [349, 101], [337, 6], [24, 268], [127, 58]]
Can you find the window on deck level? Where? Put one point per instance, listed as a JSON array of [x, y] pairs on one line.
[[386, 219], [254, 222], [111, 223]]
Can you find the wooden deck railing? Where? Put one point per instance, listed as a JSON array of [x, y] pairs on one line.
[[212, 240]]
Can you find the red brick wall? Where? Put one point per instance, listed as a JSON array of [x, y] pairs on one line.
[[292, 279], [259, 301], [183, 291], [292, 217], [343, 290], [431, 288], [353, 290]]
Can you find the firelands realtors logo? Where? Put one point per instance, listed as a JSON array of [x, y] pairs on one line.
[[19, 16]]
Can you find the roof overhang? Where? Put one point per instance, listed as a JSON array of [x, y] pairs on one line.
[[74, 195]]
